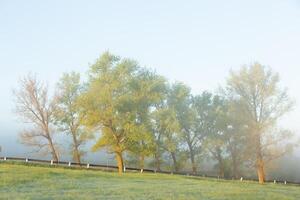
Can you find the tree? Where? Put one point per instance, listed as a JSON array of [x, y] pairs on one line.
[[167, 127], [68, 115], [201, 106], [148, 89], [262, 102], [108, 105], [213, 124], [236, 136], [34, 106], [157, 134], [180, 99]]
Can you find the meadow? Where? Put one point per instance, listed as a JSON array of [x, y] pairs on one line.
[[38, 182]]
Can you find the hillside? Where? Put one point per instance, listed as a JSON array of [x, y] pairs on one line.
[[28, 182]]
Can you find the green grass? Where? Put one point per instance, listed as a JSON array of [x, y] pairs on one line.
[[34, 182]]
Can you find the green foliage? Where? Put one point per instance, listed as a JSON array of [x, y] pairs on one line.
[[148, 90], [167, 119], [119, 100], [212, 123], [108, 101], [68, 112]]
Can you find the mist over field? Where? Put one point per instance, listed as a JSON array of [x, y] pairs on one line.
[[11, 147], [286, 168]]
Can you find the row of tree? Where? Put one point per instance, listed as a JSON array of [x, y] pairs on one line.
[[133, 111]]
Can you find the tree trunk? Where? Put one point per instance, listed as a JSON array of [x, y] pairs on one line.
[[260, 166], [221, 163], [260, 169], [194, 167], [142, 162], [51, 145], [174, 161], [120, 163], [52, 149], [192, 157], [157, 162], [235, 171], [221, 169], [76, 154], [157, 154]]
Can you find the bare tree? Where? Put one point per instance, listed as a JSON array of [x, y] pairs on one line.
[[34, 107]]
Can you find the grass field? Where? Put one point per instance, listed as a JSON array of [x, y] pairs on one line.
[[32, 182]]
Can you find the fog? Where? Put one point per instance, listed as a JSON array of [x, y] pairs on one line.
[[285, 168], [11, 147]]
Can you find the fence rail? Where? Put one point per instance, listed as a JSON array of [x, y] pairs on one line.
[[74, 164], [114, 168]]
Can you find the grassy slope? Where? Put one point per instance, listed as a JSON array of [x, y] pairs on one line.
[[27, 182]]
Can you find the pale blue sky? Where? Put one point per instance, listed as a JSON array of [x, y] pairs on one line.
[[196, 42]]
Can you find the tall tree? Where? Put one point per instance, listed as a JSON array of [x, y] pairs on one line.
[[168, 129], [108, 105], [148, 89], [180, 99], [67, 112], [34, 106], [214, 124], [157, 135], [201, 106], [236, 136], [262, 102]]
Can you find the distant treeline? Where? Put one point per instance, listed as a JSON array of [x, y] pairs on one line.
[[131, 110]]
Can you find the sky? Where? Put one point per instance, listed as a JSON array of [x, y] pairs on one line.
[[197, 42]]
